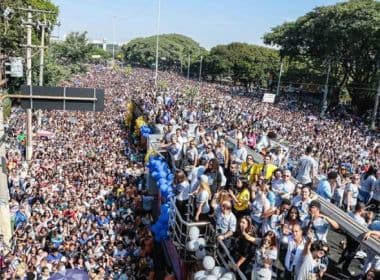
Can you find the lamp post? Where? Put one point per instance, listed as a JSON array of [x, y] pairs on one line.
[[325, 93], [113, 39], [157, 41]]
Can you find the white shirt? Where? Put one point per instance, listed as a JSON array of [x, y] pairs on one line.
[[240, 155], [308, 269], [294, 257], [183, 191], [306, 165], [225, 222]]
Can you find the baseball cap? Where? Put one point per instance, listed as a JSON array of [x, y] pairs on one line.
[[315, 203]]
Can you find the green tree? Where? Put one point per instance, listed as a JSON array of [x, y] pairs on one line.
[[172, 49], [13, 33], [63, 59], [347, 35], [74, 50], [243, 63]]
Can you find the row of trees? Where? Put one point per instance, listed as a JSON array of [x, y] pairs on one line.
[[242, 63], [344, 37]]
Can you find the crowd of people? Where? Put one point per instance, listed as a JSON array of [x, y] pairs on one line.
[[81, 202], [258, 211]]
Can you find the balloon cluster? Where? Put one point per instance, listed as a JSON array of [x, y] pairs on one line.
[[212, 272], [160, 172], [145, 130], [196, 244], [128, 115]]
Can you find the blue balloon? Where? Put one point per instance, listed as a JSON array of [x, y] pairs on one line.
[[161, 181], [164, 187], [155, 175], [170, 177], [161, 173]]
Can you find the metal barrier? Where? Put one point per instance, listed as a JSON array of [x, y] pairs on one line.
[[346, 223], [223, 254], [179, 235]]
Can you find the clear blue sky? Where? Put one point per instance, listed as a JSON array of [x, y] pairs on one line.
[[210, 22]]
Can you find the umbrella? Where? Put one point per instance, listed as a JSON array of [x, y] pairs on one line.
[[70, 274]]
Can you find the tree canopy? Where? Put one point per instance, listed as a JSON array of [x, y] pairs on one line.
[[243, 63], [70, 57], [346, 35], [12, 32], [173, 48]]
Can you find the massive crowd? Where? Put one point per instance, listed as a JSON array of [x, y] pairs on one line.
[[81, 201], [257, 210]]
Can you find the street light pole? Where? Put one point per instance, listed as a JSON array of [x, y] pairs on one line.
[[188, 68], [324, 103], [279, 78], [113, 39], [200, 70], [42, 51], [157, 41]]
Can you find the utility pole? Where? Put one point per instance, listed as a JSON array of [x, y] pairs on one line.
[[29, 131], [188, 69], [29, 25], [376, 106], [43, 26], [279, 78], [324, 102], [157, 41]]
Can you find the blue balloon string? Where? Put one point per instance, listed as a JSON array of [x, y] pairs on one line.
[[161, 173]]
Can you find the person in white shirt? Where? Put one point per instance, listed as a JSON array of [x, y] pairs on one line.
[[302, 202], [202, 197], [351, 193], [181, 190], [239, 154], [311, 267], [225, 221], [307, 168], [175, 151], [195, 175], [317, 223], [294, 254]]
